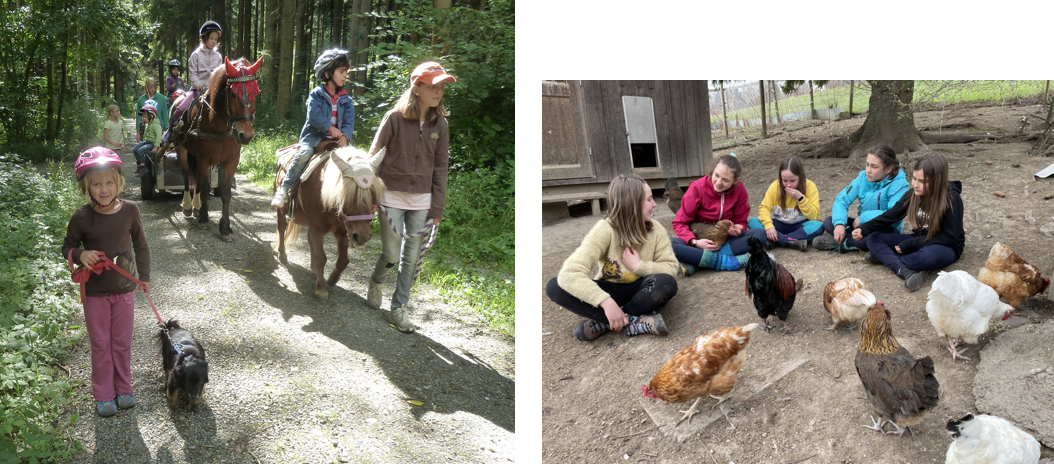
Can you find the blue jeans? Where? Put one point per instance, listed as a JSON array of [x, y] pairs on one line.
[[297, 168], [806, 230], [142, 151], [927, 258], [850, 243], [738, 245], [395, 249]]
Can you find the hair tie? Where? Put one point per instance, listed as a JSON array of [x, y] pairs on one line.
[[732, 155]]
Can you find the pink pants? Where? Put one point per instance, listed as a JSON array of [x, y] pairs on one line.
[[109, 319]]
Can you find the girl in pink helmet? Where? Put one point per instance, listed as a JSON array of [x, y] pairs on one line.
[[111, 227]]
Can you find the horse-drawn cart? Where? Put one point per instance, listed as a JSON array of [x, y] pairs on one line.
[[163, 175]]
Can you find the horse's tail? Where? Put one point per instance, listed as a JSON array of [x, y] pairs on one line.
[[291, 233]]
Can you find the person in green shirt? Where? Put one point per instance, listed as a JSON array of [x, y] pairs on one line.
[[159, 103], [151, 137]]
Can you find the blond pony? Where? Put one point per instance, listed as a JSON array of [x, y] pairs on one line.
[[626, 196]]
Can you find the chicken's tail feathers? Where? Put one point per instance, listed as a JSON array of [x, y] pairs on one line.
[[785, 282], [955, 426], [926, 386], [750, 327]]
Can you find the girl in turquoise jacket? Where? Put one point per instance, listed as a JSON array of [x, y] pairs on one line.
[[878, 187]]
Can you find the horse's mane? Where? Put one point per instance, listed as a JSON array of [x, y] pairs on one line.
[[338, 190]]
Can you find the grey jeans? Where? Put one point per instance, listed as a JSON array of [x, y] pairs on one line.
[[395, 249]]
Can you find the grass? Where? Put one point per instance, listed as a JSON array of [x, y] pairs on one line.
[[927, 94], [473, 261]]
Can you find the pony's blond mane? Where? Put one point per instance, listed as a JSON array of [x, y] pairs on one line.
[[338, 190]]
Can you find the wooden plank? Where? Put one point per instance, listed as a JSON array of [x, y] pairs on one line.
[[705, 135], [615, 130], [573, 196], [678, 127], [592, 93], [661, 101]]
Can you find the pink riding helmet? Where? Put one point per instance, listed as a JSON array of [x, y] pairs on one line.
[[97, 156]]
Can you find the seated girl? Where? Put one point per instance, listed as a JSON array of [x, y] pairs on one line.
[[637, 268], [878, 187], [933, 212], [790, 211], [719, 195]]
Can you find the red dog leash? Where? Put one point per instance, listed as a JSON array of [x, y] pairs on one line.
[[81, 274]]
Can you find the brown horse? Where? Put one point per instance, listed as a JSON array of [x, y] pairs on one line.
[[336, 196], [219, 123]]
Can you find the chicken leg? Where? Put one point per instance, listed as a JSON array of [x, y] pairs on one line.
[[688, 413], [787, 329], [956, 354], [876, 425], [765, 325]]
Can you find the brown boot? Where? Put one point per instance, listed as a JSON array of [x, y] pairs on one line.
[[589, 330]]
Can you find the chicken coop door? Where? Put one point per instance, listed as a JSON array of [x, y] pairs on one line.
[[566, 153], [640, 133]]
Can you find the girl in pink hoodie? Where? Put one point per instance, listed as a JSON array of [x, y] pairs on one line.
[[719, 195]]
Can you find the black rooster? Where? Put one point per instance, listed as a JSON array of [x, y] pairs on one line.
[[771, 285]]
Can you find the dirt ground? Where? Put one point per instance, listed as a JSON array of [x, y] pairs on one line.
[[798, 398]]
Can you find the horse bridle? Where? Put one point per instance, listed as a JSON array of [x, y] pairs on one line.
[[244, 98]]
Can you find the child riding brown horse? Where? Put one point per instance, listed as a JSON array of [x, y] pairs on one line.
[[218, 125], [336, 195]]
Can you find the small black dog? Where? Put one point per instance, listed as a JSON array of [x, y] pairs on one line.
[[183, 360]]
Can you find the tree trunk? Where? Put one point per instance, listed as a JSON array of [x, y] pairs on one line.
[[271, 45], [812, 104], [724, 112], [49, 128], [764, 120], [775, 99], [362, 25], [338, 21], [219, 14], [889, 121], [285, 58], [303, 70], [1046, 88], [245, 29], [443, 38], [1047, 139], [64, 84], [851, 98]]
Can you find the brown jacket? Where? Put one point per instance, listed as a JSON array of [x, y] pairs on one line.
[[417, 160], [116, 235]]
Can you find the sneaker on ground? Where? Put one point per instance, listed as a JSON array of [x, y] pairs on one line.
[[589, 330], [800, 245], [872, 258], [398, 318], [913, 280], [373, 295], [646, 324], [825, 243], [125, 401], [105, 408]]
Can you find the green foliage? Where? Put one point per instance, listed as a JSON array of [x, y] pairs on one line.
[[258, 158], [35, 306]]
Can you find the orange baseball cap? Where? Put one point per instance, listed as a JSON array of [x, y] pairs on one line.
[[430, 73]]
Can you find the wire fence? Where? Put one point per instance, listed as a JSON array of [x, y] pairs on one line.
[[737, 104]]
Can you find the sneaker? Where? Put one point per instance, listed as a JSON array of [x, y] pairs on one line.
[[913, 280], [589, 330], [105, 408], [373, 295], [648, 323], [825, 243], [125, 401], [800, 245], [769, 245], [279, 198], [687, 269], [398, 318], [872, 258]]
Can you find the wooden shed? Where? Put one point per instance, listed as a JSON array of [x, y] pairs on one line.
[[592, 131]]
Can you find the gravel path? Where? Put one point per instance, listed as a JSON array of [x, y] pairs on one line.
[[293, 378]]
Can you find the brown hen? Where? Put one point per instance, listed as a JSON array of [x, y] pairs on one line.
[[707, 367], [901, 388], [718, 233], [673, 195], [1012, 278]]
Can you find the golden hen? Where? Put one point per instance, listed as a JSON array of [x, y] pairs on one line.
[[1012, 278], [901, 388], [847, 300], [717, 232], [706, 367]]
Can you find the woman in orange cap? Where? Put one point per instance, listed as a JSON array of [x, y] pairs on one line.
[[415, 138]]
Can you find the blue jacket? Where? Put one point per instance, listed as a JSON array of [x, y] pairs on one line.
[[875, 198], [319, 111]]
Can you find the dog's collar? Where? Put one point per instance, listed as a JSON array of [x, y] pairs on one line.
[[178, 347]]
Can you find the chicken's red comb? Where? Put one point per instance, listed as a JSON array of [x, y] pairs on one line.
[[644, 389], [880, 303]]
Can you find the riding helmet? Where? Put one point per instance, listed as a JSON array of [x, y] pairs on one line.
[[97, 156], [329, 60], [174, 63], [208, 27]]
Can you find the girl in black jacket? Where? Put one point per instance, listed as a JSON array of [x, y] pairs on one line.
[[933, 215]]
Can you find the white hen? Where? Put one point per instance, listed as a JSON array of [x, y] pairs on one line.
[[960, 308], [987, 439]]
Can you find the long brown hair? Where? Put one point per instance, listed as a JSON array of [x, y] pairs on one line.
[[934, 202], [626, 194], [407, 106], [795, 166], [887, 156]]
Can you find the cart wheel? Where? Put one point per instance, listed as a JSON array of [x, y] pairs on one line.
[[147, 187]]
